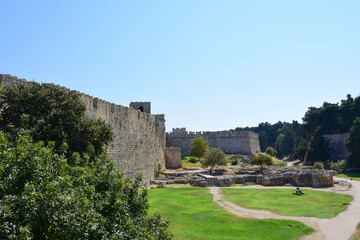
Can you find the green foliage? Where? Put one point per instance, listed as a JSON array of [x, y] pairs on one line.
[[285, 141], [318, 204], [43, 197], [319, 148], [300, 149], [271, 151], [280, 164], [269, 133], [333, 118], [53, 114], [234, 162], [199, 147], [183, 157], [192, 160], [234, 159], [214, 157], [353, 144], [237, 157], [318, 165], [194, 216], [261, 159], [339, 166]]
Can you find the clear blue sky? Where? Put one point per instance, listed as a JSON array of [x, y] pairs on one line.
[[207, 65]]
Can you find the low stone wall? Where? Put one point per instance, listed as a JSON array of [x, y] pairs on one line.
[[173, 158], [272, 176]]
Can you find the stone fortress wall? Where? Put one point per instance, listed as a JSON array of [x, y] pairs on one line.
[[233, 142], [139, 137], [337, 146]]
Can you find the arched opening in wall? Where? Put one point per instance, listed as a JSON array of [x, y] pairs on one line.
[[141, 108]]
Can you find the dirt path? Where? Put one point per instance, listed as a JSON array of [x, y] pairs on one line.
[[339, 228]]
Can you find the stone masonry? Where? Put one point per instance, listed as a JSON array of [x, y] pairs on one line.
[[232, 142], [173, 158], [139, 137], [337, 146]]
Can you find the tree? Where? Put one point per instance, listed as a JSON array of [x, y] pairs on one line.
[[285, 141], [54, 114], [353, 144], [261, 159], [301, 146], [319, 148], [271, 151], [43, 197], [199, 147], [214, 157]]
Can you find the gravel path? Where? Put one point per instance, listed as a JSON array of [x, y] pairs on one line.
[[340, 227]]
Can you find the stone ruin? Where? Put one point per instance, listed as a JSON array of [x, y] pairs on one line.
[[303, 176]]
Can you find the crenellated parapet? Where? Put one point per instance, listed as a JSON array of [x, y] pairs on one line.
[[181, 132], [233, 142]]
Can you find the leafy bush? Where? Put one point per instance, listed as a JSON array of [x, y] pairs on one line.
[[214, 157], [192, 160], [280, 164], [261, 159], [271, 151], [53, 114], [233, 161], [318, 165], [237, 157], [183, 157], [199, 147], [44, 197], [339, 166]]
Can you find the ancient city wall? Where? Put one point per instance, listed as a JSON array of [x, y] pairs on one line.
[[337, 146], [139, 137], [233, 142]]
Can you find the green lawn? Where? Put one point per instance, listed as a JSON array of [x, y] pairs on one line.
[[353, 175], [187, 164], [318, 204], [193, 215]]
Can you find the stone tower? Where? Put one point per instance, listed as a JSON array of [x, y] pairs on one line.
[[141, 106]]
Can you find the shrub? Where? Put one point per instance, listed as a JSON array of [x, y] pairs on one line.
[[192, 160], [318, 165], [339, 166], [233, 161], [43, 197], [261, 159], [183, 157], [271, 151], [237, 157], [214, 157], [280, 164]]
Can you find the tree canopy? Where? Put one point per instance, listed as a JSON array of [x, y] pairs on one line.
[[214, 157], [43, 197], [353, 144], [54, 114], [199, 147], [332, 118]]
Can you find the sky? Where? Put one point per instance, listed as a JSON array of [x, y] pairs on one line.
[[207, 65]]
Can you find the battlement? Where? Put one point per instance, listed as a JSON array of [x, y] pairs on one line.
[[243, 142], [181, 132], [94, 104]]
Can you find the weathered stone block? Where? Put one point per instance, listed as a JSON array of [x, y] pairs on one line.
[[173, 158]]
